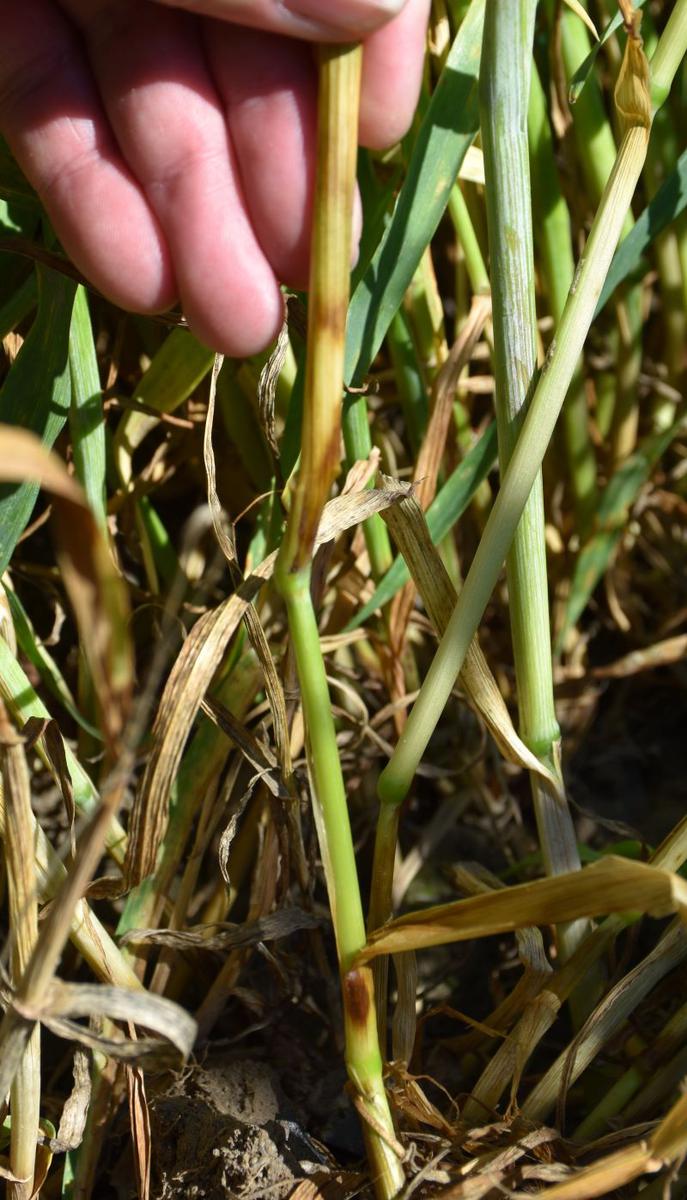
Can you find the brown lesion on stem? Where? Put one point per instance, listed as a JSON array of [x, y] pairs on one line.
[[357, 998], [330, 315], [311, 496]]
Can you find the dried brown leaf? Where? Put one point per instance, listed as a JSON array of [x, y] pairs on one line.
[[404, 1022], [73, 1000], [633, 88], [225, 935], [581, 12], [433, 447], [75, 1111], [660, 654], [532, 955], [223, 531], [53, 743], [611, 885], [191, 676], [139, 1118], [95, 587], [540, 1014], [267, 385], [615, 1007], [411, 534]]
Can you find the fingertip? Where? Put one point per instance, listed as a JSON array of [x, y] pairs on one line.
[[238, 326], [393, 60], [353, 18]]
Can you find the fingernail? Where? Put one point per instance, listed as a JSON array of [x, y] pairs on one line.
[[354, 17]]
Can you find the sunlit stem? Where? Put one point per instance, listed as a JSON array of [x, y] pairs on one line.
[[320, 454], [504, 90], [523, 467]]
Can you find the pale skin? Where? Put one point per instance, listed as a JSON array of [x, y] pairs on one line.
[[172, 143]]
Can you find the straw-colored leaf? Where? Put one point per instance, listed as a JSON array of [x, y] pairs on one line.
[[633, 89], [94, 586], [586, 68], [410, 532], [71, 1001], [267, 386], [192, 674], [23, 703], [256, 633], [443, 396], [472, 166], [444, 512], [667, 1144], [180, 364], [615, 1007], [224, 936], [404, 1023], [531, 952], [87, 933], [581, 12], [70, 1131], [434, 444], [607, 1176], [25, 1096], [540, 1014], [139, 1118], [660, 654], [612, 885], [35, 396]]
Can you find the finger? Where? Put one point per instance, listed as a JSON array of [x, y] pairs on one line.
[[169, 122], [269, 88], [52, 118], [313, 20], [392, 74]]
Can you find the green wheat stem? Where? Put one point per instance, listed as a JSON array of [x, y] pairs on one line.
[[553, 234], [504, 91], [596, 149], [320, 443], [528, 454]]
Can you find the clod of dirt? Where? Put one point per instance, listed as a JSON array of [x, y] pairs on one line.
[[227, 1138], [244, 1089]]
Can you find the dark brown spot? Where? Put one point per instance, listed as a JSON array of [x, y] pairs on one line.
[[356, 986]]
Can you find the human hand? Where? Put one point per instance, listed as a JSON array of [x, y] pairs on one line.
[[174, 151]]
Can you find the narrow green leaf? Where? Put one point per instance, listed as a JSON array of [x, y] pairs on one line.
[[36, 396], [176, 370], [447, 131], [18, 305], [670, 200], [618, 497], [86, 418], [585, 68], [22, 702], [45, 664]]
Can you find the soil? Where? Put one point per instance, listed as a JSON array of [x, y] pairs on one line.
[[227, 1132]]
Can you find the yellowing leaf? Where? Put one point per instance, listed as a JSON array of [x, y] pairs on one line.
[[95, 587], [609, 886], [632, 89], [584, 16]]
